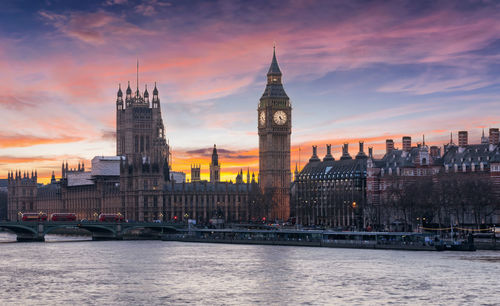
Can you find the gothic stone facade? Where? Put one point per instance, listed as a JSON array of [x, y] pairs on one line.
[[137, 182], [274, 129]]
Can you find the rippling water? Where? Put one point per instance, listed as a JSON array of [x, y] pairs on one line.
[[66, 271]]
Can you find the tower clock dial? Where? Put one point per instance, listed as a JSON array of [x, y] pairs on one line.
[[262, 117], [279, 117]]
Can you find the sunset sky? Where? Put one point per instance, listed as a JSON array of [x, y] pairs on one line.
[[354, 70]]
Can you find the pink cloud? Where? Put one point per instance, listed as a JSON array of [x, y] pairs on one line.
[[67, 89], [95, 28]]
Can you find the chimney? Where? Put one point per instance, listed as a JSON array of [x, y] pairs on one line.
[[406, 143], [361, 154], [462, 138], [328, 156], [389, 146], [345, 152], [435, 152], [314, 157], [494, 136]]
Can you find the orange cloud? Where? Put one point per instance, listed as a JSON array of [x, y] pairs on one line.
[[10, 141]]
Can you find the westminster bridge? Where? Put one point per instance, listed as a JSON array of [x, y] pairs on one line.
[[36, 231]]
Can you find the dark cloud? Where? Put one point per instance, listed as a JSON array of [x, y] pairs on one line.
[[208, 151], [108, 135], [223, 153]]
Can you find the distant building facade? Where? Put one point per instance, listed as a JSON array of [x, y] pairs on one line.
[[329, 192], [358, 193], [398, 168]]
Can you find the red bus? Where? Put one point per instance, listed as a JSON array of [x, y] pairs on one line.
[[63, 217], [111, 218], [34, 217]]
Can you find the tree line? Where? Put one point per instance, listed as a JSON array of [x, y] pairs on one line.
[[441, 200]]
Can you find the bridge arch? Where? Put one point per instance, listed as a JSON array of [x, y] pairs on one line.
[[21, 229], [50, 228], [98, 228]]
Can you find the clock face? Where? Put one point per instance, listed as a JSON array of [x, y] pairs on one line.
[[279, 117], [262, 117]]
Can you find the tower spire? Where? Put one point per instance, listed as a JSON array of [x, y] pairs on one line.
[[274, 69], [137, 74]]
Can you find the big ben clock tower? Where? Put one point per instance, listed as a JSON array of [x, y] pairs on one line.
[[275, 128]]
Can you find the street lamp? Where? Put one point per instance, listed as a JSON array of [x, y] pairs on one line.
[[354, 215]]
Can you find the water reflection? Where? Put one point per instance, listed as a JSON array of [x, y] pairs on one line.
[[157, 273]]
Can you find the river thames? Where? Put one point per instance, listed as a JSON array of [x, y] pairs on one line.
[[66, 271]]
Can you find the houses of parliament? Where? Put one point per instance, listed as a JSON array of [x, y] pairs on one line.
[[139, 182]]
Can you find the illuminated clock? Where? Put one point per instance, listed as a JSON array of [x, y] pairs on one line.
[[262, 117], [279, 117]]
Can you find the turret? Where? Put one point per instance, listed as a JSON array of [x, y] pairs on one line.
[[128, 92], [146, 94], [215, 156], [156, 99], [119, 98], [53, 178], [215, 166], [195, 173], [484, 139]]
